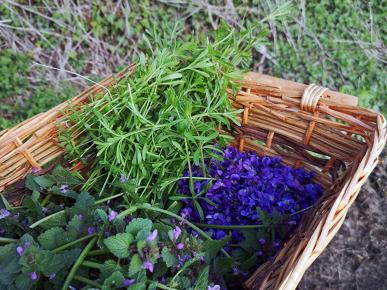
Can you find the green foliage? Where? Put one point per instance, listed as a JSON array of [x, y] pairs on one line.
[[178, 96], [45, 245], [119, 244]]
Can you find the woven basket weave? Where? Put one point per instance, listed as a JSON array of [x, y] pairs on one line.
[[310, 126]]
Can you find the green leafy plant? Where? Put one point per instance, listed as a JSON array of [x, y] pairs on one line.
[[166, 115]]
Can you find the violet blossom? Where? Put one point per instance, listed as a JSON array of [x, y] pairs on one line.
[[152, 236], [112, 215], [4, 213], [64, 188], [34, 276], [148, 265]]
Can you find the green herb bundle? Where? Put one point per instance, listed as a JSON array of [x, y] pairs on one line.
[[165, 116]]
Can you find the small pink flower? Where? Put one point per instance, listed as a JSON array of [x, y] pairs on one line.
[[152, 236], [20, 250], [34, 276], [112, 215], [175, 234], [123, 179], [148, 266]]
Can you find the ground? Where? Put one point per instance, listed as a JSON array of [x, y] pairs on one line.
[[357, 256], [49, 50]]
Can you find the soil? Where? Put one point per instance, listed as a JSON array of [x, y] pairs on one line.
[[357, 256]]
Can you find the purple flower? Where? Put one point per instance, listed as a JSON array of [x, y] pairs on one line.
[[175, 234], [4, 213], [64, 188], [247, 189], [123, 178], [186, 212], [35, 170], [180, 246], [152, 236], [112, 215], [52, 276], [34, 276], [148, 266], [91, 230], [215, 287], [128, 282], [259, 253], [20, 250]]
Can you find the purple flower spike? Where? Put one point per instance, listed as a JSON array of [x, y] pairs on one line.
[[152, 236], [180, 246], [52, 276], [20, 250], [4, 213], [215, 287], [128, 282], [148, 266], [64, 188], [123, 179], [34, 276], [112, 215]]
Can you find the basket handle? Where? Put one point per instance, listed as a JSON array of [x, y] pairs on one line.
[[296, 90], [311, 96]]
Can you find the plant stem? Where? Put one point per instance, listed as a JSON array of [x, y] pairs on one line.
[[87, 281], [46, 199], [78, 263], [8, 240], [91, 264], [68, 245], [228, 227], [98, 252], [34, 225]]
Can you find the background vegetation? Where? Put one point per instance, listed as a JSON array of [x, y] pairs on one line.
[[50, 47], [340, 44]]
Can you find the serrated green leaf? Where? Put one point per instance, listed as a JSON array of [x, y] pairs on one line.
[[135, 265], [84, 201], [119, 244], [137, 225], [108, 268], [168, 257], [101, 214], [222, 265], [202, 280], [212, 247], [137, 286], [45, 181], [23, 282], [114, 281], [31, 183], [52, 238]]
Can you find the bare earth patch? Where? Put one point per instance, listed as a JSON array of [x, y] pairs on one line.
[[357, 256]]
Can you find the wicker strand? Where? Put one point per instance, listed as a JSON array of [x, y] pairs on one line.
[[311, 96]]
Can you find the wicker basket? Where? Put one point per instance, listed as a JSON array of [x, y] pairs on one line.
[[309, 126]]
